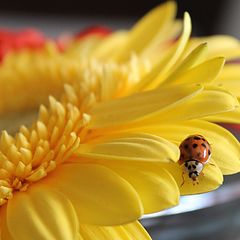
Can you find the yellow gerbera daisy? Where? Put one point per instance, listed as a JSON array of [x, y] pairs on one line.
[[74, 167], [106, 153]]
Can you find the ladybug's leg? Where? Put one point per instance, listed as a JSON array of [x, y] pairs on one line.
[[183, 180], [201, 174], [212, 164]]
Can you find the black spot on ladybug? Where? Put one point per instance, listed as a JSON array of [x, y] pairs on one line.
[[186, 146], [196, 162], [194, 145], [204, 139], [209, 152], [204, 145], [194, 166], [197, 138]]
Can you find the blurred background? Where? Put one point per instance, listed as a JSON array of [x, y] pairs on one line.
[[53, 17], [212, 216]]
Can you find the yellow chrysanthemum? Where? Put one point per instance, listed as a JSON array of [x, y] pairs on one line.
[[106, 153]]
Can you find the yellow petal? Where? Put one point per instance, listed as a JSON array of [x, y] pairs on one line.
[[224, 45], [83, 48], [229, 78], [203, 73], [194, 58], [210, 179], [212, 100], [159, 106], [174, 55], [129, 109], [107, 48], [4, 231], [226, 117], [131, 147], [125, 232], [155, 186], [165, 64], [135, 230], [98, 195], [162, 42], [147, 28], [225, 147], [41, 213]]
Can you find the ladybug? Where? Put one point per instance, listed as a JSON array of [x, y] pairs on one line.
[[195, 152]]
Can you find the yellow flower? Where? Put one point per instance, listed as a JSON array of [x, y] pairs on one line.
[[106, 153]]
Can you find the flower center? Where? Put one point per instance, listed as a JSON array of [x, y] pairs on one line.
[[33, 153]]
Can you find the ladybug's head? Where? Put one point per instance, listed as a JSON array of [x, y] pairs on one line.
[[193, 168]]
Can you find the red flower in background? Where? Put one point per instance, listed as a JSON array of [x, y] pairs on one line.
[[34, 39], [93, 30], [66, 39], [16, 40]]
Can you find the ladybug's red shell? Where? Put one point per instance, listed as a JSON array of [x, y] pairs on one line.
[[195, 147]]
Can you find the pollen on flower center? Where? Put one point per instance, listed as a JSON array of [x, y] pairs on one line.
[[33, 153]]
